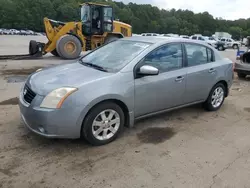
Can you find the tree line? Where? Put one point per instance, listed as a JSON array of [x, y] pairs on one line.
[[29, 14]]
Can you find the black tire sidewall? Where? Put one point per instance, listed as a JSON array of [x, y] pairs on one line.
[[33, 48], [208, 104], [220, 48], [235, 46], [87, 124], [60, 47], [241, 75]]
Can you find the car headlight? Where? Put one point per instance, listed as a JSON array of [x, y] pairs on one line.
[[56, 98]]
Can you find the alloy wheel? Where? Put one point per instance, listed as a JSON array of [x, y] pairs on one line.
[[106, 124], [217, 97]]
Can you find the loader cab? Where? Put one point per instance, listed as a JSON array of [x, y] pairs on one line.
[[96, 19]]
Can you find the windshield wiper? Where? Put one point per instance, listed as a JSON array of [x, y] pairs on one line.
[[94, 66]]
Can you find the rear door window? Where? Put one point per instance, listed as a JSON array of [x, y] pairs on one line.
[[198, 54]]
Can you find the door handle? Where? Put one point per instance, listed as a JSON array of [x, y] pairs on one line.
[[179, 78], [211, 70]]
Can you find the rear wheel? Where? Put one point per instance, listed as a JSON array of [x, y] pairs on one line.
[[103, 123], [215, 98], [68, 47], [220, 48], [235, 46], [241, 75]]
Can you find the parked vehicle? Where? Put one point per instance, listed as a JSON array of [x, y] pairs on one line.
[[211, 41], [29, 32], [230, 43], [14, 32], [138, 77], [184, 36], [149, 34], [6, 32], [220, 46], [242, 67], [23, 32], [197, 37], [165, 35]]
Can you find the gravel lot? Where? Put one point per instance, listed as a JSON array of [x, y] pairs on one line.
[[184, 148]]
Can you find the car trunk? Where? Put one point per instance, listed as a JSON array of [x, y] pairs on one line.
[[245, 58]]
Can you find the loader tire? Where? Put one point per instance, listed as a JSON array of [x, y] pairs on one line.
[[55, 53], [68, 47], [33, 47]]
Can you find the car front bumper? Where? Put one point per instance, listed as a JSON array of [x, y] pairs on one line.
[[51, 123]]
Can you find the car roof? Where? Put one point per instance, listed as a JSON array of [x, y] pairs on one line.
[[160, 40]]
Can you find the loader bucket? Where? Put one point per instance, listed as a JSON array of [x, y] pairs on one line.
[[36, 48]]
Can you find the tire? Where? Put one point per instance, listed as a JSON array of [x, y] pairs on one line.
[[110, 38], [73, 51], [33, 48], [208, 104], [220, 48], [235, 46], [241, 75], [55, 53], [94, 114]]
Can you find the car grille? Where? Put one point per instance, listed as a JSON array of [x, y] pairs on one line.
[[28, 94]]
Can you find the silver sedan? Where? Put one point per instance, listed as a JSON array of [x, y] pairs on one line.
[[121, 82]]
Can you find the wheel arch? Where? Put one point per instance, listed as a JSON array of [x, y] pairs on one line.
[[225, 85], [119, 102]]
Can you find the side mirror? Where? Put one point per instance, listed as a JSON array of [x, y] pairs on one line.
[[148, 70]]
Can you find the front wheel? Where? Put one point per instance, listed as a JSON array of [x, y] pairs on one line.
[[215, 98], [68, 47], [103, 123]]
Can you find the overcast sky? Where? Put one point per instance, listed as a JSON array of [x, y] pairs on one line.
[[227, 9]]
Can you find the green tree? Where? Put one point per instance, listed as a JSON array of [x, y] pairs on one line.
[[29, 14], [236, 32]]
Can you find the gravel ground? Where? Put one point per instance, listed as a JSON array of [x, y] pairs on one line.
[[183, 148]]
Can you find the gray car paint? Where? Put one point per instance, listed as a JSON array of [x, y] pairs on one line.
[[242, 67], [142, 96]]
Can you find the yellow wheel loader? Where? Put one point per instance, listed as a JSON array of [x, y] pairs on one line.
[[67, 40]]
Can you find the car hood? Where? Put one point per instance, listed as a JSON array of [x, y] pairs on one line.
[[69, 75]]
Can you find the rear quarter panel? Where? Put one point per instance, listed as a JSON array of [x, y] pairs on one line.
[[224, 71]]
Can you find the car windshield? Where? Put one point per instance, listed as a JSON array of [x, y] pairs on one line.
[[114, 56]]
